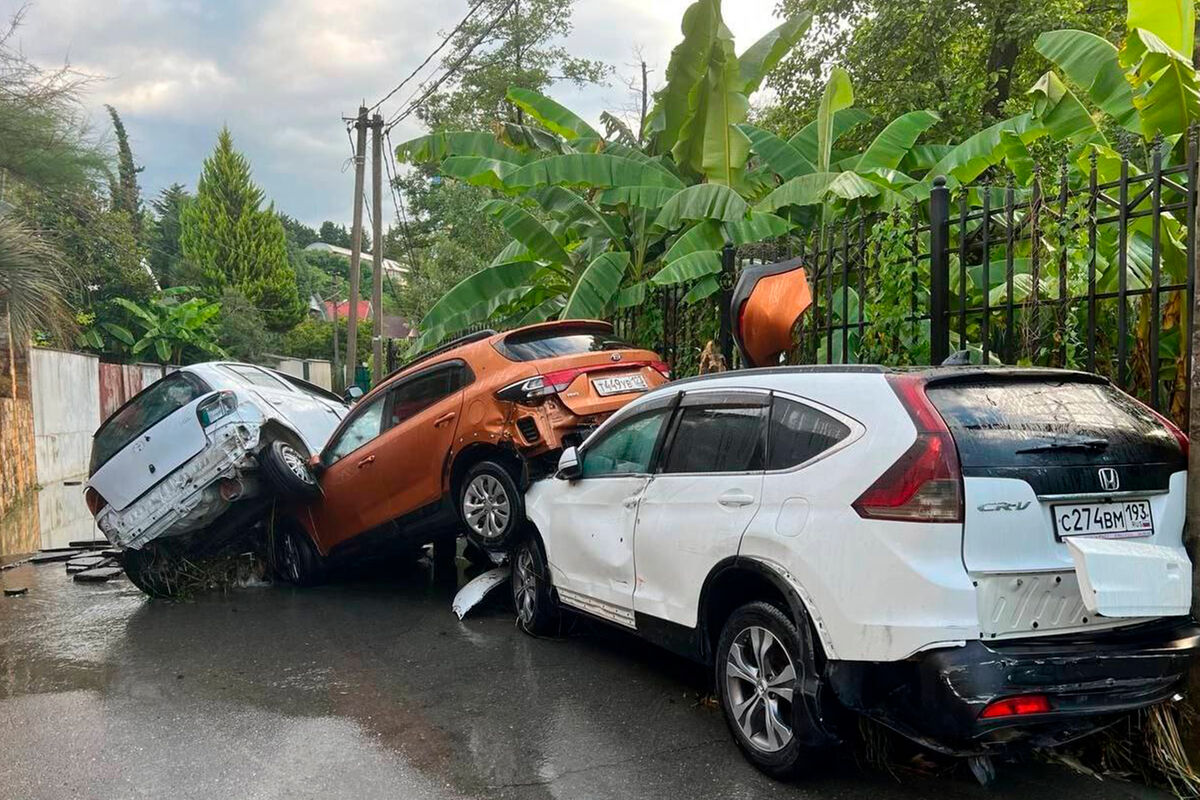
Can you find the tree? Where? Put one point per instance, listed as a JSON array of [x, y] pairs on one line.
[[497, 49], [241, 330], [298, 232], [594, 222], [334, 234], [33, 283], [165, 228], [126, 196], [967, 62], [233, 242]]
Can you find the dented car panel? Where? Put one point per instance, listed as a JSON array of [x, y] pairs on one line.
[[180, 454]]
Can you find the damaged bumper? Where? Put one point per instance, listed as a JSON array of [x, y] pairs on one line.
[[190, 498], [939, 697]]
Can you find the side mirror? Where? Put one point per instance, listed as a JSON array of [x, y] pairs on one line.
[[569, 468], [352, 394]]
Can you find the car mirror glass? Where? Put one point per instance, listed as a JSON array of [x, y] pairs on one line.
[[352, 394], [569, 466]]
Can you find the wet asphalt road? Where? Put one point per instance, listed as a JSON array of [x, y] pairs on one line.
[[373, 689]]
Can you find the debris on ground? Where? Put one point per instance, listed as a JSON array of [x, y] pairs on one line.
[[98, 575], [50, 556], [86, 562], [470, 595], [16, 592]]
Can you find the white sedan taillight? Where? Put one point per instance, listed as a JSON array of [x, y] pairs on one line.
[[925, 484]]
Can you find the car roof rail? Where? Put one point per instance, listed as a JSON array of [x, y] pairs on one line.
[[470, 338]]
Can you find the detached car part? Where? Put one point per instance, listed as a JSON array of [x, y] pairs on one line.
[[767, 301]]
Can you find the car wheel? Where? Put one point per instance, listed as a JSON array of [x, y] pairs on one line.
[[287, 470], [537, 613], [296, 558], [491, 506], [765, 675], [152, 569]]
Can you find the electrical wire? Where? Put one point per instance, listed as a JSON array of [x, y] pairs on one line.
[[411, 105], [428, 58]]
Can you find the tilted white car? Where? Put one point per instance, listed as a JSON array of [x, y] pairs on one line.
[[972, 556], [191, 447]]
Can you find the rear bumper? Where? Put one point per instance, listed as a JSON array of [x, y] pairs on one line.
[[937, 697]]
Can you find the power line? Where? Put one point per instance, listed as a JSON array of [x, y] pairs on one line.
[[412, 105], [428, 58]]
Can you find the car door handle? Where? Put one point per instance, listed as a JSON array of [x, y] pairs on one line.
[[631, 502], [735, 499], [444, 419], [365, 461]]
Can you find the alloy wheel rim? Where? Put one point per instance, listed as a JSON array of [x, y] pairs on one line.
[[526, 585], [291, 559], [294, 462], [759, 682], [486, 507]]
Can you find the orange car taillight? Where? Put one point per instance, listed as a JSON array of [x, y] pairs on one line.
[[662, 368], [95, 502], [555, 381], [925, 484]]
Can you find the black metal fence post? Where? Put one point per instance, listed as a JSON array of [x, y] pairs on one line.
[[939, 271], [724, 298]]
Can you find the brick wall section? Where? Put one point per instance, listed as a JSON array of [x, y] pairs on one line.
[[18, 472]]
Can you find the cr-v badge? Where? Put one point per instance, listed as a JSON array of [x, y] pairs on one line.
[[1003, 506]]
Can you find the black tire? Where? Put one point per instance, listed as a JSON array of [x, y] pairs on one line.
[[296, 558], [286, 469], [152, 569], [781, 737], [491, 506], [537, 611]]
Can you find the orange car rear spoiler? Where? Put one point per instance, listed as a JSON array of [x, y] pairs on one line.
[[767, 301]]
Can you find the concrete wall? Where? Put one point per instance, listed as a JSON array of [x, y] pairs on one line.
[[66, 412], [320, 372], [18, 470]]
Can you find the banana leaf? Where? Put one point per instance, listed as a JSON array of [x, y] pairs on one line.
[[590, 170], [1091, 63], [596, 287], [527, 230], [702, 201], [688, 268], [893, 142], [551, 114]]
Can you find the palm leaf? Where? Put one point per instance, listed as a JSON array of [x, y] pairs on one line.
[[843, 121], [1091, 63], [893, 142], [685, 72], [1171, 100], [527, 230], [435, 147], [688, 268], [779, 156], [631, 296], [647, 197], [596, 287], [762, 56], [554, 116], [590, 170], [703, 201], [704, 235], [706, 287], [1172, 21], [478, 171], [837, 95], [478, 289]]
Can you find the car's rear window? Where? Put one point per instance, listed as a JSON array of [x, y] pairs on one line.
[[533, 345], [1024, 422], [143, 412]]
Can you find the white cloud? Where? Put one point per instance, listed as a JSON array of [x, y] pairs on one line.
[[281, 73]]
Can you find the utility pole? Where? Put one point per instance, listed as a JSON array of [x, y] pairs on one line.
[[378, 367], [360, 161]]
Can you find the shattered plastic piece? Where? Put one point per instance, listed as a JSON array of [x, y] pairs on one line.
[[470, 595], [15, 592]]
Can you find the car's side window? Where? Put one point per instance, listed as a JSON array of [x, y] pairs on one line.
[[420, 392], [717, 438], [365, 426], [800, 433], [627, 448], [257, 377]]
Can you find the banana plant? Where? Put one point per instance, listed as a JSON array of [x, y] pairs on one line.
[[596, 219], [170, 327]]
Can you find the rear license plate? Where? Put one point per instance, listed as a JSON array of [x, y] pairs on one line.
[[620, 384], [1119, 520]]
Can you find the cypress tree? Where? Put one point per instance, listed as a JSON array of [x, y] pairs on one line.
[[232, 242], [126, 196]]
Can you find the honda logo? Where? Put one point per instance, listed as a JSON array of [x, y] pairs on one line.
[[1109, 480]]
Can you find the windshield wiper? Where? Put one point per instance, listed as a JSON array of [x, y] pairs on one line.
[[1091, 445]]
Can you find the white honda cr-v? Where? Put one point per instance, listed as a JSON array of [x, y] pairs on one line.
[[974, 557]]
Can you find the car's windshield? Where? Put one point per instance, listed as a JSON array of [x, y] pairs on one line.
[[143, 412], [532, 345]]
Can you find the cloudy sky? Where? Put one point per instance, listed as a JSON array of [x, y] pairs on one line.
[[282, 73]]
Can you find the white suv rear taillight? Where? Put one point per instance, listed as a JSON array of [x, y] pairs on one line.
[[925, 484]]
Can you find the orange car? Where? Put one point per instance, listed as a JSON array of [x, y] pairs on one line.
[[454, 437]]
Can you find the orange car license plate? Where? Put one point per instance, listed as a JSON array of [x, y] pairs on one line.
[[619, 384]]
